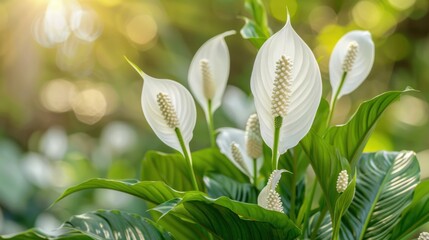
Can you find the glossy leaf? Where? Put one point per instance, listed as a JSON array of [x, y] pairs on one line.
[[101, 225], [219, 185], [415, 215], [155, 192], [170, 168], [351, 138], [228, 219]]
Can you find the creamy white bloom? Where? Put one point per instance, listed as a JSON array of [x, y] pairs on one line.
[[286, 82], [168, 105], [209, 71], [269, 198], [354, 54], [228, 137], [342, 181]]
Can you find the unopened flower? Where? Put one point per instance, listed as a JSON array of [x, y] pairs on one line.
[[209, 71], [351, 59], [287, 87], [423, 236], [269, 198], [342, 181], [253, 137]]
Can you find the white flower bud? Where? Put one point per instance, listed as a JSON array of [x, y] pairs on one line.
[[253, 137], [342, 181]]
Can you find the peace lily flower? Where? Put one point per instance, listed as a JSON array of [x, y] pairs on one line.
[[232, 144], [170, 111], [287, 86], [269, 198], [350, 63], [342, 181], [208, 75]]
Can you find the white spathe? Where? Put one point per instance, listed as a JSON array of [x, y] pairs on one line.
[[272, 183], [305, 93], [215, 53], [361, 66], [225, 138], [182, 102]]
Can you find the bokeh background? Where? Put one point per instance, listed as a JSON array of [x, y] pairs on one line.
[[70, 104]]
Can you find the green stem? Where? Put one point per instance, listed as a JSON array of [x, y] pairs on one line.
[[308, 207], [293, 190], [334, 99], [211, 124], [336, 230], [319, 222], [188, 158], [277, 125], [255, 173]]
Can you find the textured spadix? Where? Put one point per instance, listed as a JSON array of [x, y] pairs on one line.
[[178, 111], [268, 197], [224, 140], [304, 87], [359, 67], [209, 71]]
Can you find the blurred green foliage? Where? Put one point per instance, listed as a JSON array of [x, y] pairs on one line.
[[70, 110]]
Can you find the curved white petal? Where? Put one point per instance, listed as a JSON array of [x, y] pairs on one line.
[[224, 140], [215, 51], [271, 185], [305, 93], [182, 102], [361, 67]]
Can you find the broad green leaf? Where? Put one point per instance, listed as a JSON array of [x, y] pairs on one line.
[[116, 225], [351, 138], [327, 163], [229, 219], [102, 225], [155, 192], [219, 185], [384, 188], [319, 124], [252, 32], [171, 168], [415, 215]]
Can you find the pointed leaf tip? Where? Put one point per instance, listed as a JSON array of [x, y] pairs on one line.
[[142, 74]]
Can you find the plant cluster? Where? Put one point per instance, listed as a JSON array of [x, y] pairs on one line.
[[251, 183]]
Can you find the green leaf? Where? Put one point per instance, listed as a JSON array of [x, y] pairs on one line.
[[385, 184], [155, 192], [351, 138], [319, 124], [415, 215], [327, 163], [102, 225], [219, 185], [171, 168], [229, 219], [257, 30]]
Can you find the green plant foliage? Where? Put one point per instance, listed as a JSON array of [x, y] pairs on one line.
[[351, 138], [416, 214], [219, 185], [102, 225], [327, 164], [257, 30], [342, 204], [170, 168], [229, 219], [155, 192]]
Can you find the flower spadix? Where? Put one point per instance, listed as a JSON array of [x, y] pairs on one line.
[[286, 84], [352, 58], [168, 108], [231, 142], [269, 198], [209, 70]]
